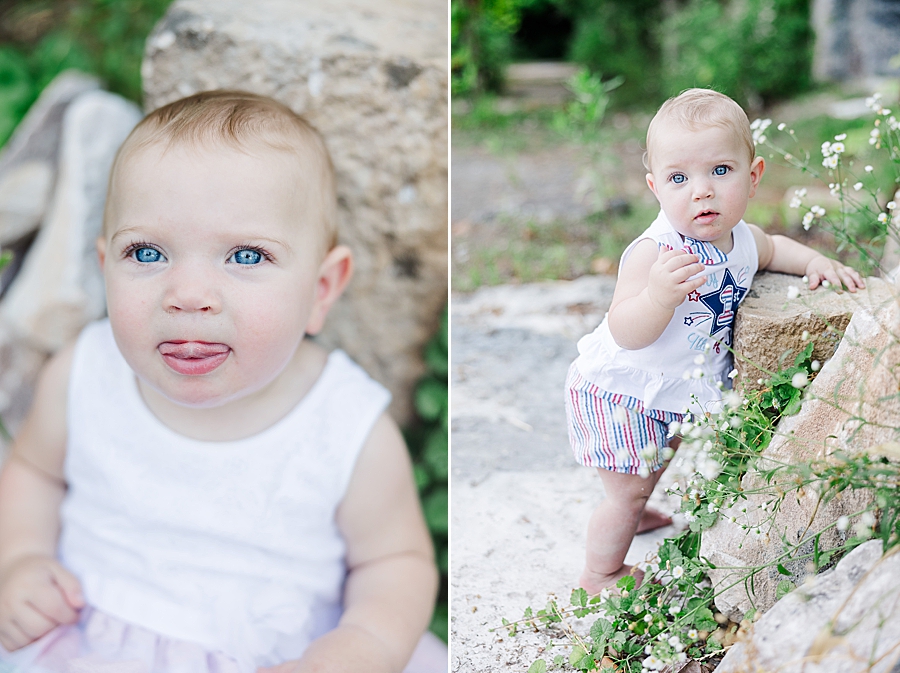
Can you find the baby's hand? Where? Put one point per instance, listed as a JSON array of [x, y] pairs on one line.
[[820, 268], [669, 280], [36, 595]]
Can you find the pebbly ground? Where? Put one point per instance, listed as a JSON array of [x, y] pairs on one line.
[[519, 502]]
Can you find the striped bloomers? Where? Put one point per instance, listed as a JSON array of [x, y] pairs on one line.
[[612, 431]]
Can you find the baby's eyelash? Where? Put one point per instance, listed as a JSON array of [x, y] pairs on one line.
[[129, 251], [262, 251]]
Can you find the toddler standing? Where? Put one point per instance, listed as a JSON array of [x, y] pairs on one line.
[[678, 288], [198, 486]]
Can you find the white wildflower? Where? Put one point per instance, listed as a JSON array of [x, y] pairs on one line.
[[818, 211], [858, 186], [801, 192], [673, 610], [733, 400], [620, 415], [643, 471], [838, 148], [649, 452], [677, 572], [891, 205], [843, 523], [807, 220], [674, 428], [830, 162], [674, 641], [826, 149], [668, 452], [782, 126], [841, 136], [869, 169], [700, 359], [796, 202], [799, 380], [648, 618], [711, 469], [692, 634], [826, 284], [815, 365], [793, 292], [804, 336], [882, 217], [697, 373]]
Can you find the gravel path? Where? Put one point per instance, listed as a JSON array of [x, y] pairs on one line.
[[519, 501]]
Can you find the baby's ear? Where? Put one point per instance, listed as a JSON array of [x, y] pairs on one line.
[[335, 272], [101, 250]]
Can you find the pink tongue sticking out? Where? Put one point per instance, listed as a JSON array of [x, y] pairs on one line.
[[193, 358], [192, 349]]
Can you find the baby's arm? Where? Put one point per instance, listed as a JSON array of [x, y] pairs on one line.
[[392, 580], [785, 255], [36, 592], [651, 285]]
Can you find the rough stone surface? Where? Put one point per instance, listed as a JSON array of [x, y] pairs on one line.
[[520, 503], [372, 77], [860, 381], [769, 327], [59, 287], [855, 38], [28, 160], [846, 620]]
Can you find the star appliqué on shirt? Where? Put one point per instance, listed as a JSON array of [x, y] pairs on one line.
[[723, 302]]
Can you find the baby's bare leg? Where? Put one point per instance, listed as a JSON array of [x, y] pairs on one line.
[[612, 528]]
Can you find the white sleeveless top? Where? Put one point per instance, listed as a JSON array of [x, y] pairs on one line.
[[662, 375], [232, 545]]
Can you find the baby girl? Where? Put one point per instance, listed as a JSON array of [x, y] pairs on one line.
[[199, 486]]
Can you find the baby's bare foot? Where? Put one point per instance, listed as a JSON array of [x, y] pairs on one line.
[[651, 520], [594, 582]]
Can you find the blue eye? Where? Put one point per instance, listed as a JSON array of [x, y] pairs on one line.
[[247, 256], [148, 255], [720, 170], [678, 178]]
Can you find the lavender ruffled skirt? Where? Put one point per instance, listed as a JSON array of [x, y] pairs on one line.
[[100, 643]]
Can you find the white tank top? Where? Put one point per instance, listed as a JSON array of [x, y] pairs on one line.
[[232, 545], [662, 375]]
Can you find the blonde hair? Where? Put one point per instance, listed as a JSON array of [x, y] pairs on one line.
[[241, 120], [701, 108]]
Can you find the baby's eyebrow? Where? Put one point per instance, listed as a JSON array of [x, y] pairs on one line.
[[123, 232]]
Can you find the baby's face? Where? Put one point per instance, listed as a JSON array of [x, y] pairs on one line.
[[703, 180], [211, 270]]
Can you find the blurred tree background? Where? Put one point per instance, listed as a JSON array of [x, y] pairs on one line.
[[41, 38], [756, 51]]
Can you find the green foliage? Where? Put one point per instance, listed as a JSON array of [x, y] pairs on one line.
[[480, 43], [753, 50], [619, 39], [102, 37], [428, 444]]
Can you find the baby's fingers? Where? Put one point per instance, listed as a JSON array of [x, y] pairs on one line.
[[12, 637], [50, 602], [32, 622], [851, 278], [68, 585]]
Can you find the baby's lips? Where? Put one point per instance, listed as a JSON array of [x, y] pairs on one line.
[[184, 350]]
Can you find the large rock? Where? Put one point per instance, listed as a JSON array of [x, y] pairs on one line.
[[860, 381], [846, 620], [372, 77], [769, 327], [855, 39], [60, 287], [28, 166]]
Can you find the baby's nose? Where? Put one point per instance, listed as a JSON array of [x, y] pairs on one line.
[[192, 291]]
